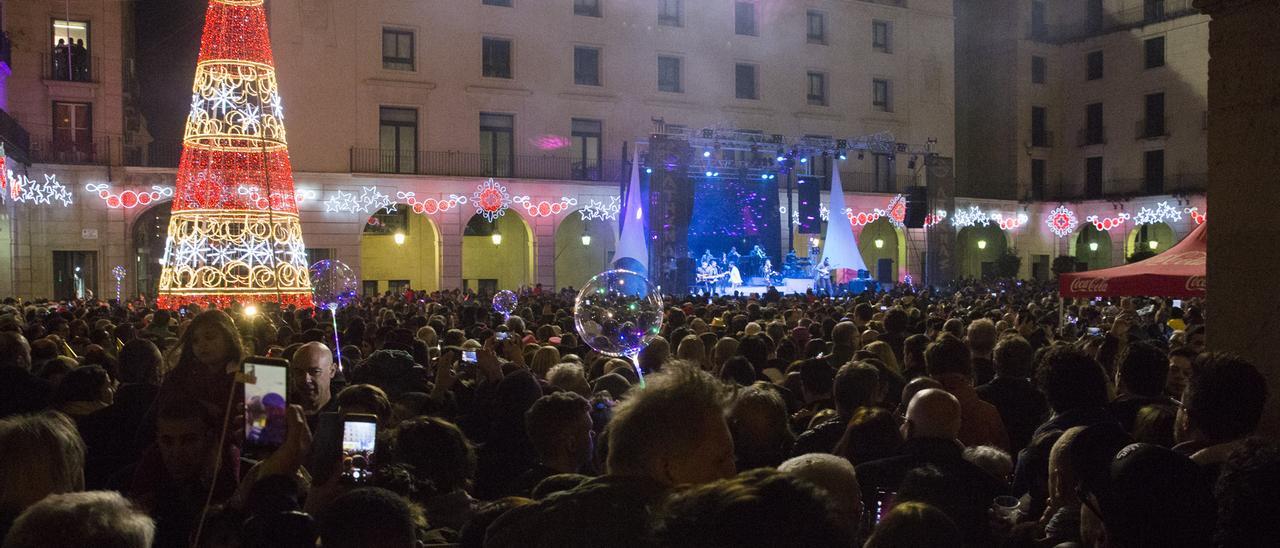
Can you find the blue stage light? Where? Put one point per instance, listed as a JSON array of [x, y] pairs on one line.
[[780, 158], [648, 170], [706, 154], [843, 156], [765, 176], [804, 160], [708, 174]]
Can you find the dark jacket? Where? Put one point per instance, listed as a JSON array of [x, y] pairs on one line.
[[968, 488], [1125, 407], [21, 392], [606, 511], [1022, 408]]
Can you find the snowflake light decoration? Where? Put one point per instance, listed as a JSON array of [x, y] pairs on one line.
[[896, 211], [1162, 212], [596, 210], [1195, 214], [1105, 224], [430, 206], [544, 208], [1062, 221], [491, 200], [129, 199]]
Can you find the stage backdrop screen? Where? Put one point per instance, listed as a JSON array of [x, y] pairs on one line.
[[730, 212]]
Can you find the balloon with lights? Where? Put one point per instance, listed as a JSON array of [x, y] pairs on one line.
[[505, 303], [333, 286], [618, 313]]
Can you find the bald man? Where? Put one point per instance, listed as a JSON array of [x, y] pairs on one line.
[[311, 373], [964, 491]]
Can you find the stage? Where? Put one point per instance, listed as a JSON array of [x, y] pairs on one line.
[[789, 286]]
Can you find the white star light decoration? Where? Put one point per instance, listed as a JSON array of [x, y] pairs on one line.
[[970, 217], [1162, 213], [369, 201], [39, 193], [596, 210]]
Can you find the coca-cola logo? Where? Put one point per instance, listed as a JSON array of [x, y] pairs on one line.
[[1188, 258], [1197, 283], [1089, 285]]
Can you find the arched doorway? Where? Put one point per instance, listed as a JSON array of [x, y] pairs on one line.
[[583, 249], [491, 263], [881, 247], [150, 230], [1092, 248], [399, 250], [1153, 237], [978, 251]]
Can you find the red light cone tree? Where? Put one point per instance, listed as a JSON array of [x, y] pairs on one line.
[[235, 234]]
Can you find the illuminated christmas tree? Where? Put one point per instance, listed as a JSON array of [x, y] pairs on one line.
[[235, 234]]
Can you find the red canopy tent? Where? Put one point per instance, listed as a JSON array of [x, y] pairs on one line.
[[1178, 272]]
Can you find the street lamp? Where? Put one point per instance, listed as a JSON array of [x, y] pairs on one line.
[[399, 237], [879, 244], [586, 239], [1153, 244], [496, 237], [1093, 246], [982, 244]]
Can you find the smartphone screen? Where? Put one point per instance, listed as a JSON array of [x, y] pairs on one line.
[[359, 439], [265, 386], [884, 503], [501, 336], [1095, 330], [469, 356], [1177, 303]]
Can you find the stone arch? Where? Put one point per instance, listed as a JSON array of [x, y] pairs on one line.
[[1140, 238], [1092, 247], [892, 247], [147, 237], [386, 264], [978, 251], [575, 261], [505, 265]]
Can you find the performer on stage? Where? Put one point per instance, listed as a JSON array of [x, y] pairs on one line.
[[707, 257], [735, 278], [823, 282], [735, 258], [760, 257]]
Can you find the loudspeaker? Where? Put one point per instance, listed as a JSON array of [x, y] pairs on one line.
[[809, 191], [917, 207]]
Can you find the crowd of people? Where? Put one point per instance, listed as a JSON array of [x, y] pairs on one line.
[[976, 415]]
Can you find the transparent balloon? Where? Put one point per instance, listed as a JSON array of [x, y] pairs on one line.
[[618, 312], [505, 303], [333, 283]]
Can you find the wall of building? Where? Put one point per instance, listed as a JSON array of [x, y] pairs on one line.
[[329, 59]]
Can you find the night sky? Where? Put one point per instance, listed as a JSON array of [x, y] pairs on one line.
[[167, 46]]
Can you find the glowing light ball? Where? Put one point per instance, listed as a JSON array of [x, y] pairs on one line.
[[505, 303], [618, 312], [334, 284]]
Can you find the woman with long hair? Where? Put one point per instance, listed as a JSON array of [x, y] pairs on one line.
[[204, 362]]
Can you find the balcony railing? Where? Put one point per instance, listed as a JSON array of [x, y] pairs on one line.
[[1092, 136], [15, 136], [1141, 13], [1042, 139], [1151, 128], [73, 69], [471, 164], [60, 151]]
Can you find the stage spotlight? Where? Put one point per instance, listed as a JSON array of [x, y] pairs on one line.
[[715, 174], [648, 170], [706, 154], [782, 158], [844, 156], [804, 159], [708, 174], [765, 176]]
